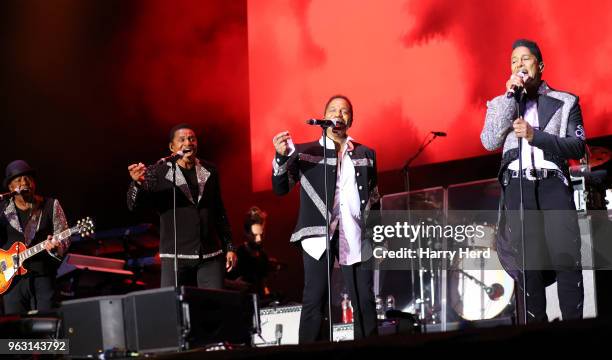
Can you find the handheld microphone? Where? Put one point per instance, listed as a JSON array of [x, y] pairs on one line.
[[11, 194], [438, 133], [174, 157], [326, 122], [278, 333], [517, 89]]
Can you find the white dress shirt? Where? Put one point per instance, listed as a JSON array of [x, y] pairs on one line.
[[531, 116], [346, 211]]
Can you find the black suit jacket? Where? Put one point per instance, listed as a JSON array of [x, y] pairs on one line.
[[305, 165], [202, 227]]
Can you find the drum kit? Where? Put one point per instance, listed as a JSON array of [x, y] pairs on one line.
[[475, 288], [479, 288], [589, 181]]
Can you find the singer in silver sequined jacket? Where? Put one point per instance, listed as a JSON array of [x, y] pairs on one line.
[[560, 136]]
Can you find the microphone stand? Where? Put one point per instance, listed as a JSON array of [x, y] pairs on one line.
[[176, 286], [405, 170], [173, 160], [409, 161], [327, 238], [174, 224], [520, 98], [8, 195], [419, 151], [17, 263]]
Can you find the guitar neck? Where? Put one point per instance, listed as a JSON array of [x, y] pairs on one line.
[[31, 251]]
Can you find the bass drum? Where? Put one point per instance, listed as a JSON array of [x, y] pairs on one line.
[[479, 288]]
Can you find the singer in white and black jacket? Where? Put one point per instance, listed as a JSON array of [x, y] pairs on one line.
[[552, 132], [352, 189]]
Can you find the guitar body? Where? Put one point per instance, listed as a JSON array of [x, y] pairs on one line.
[[7, 268], [10, 256]]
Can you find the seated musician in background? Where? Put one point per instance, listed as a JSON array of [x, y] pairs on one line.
[[30, 219], [253, 262]]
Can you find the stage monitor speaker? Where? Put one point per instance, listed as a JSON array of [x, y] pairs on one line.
[[93, 325], [38, 326], [163, 319]]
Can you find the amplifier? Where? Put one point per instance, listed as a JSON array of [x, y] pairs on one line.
[[284, 322], [343, 332], [281, 322]]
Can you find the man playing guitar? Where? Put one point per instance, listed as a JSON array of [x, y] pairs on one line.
[[31, 219]]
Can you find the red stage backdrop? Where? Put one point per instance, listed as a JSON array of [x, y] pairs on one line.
[[411, 67]]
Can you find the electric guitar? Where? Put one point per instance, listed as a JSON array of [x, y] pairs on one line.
[[11, 260]]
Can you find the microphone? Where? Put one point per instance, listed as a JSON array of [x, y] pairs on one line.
[[517, 89], [494, 291], [326, 122], [438, 133], [278, 333], [11, 194], [174, 157]]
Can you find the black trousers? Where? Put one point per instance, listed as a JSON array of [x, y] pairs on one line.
[[30, 293], [206, 273], [358, 279], [552, 243]]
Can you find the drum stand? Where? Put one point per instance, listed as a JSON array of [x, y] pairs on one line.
[[421, 301], [427, 306]]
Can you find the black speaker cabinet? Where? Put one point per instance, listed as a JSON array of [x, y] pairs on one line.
[[38, 326], [93, 324], [168, 320]]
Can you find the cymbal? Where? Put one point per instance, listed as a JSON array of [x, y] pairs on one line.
[[425, 205], [423, 201], [599, 155]]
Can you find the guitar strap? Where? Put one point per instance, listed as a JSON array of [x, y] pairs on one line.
[[31, 228]]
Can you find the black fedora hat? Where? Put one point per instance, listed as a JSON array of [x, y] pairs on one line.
[[17, 168]]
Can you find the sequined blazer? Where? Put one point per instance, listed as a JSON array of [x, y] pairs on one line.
[[560, 136], [305, 165], [46, 219], [203, 230]]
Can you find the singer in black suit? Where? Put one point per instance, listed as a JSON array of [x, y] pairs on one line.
[[204, 239], [551, 131]]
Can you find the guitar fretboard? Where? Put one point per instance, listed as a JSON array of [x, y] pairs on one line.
[[29, 252]]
